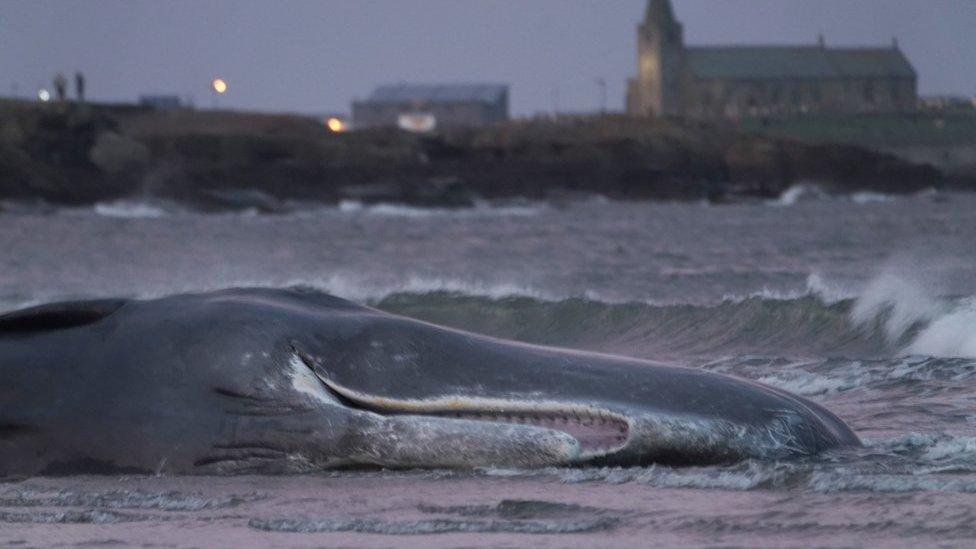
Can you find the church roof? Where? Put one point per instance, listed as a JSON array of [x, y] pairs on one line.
[[796, 62], [434, 93]]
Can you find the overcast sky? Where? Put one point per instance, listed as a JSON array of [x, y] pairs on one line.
[[316, 56]]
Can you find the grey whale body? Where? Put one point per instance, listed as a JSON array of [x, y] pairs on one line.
[[291, 380]]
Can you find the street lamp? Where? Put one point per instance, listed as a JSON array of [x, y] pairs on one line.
[[336, 125], [219, 86]]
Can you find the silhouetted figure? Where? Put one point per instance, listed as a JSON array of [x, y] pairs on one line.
[[61, 87], [80, 86]]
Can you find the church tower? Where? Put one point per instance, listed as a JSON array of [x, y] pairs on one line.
[[660, 49]]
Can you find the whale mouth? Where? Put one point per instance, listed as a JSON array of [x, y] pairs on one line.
[[598, 431]]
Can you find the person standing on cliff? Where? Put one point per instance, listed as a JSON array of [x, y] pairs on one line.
[[61, 87], [80, 86]]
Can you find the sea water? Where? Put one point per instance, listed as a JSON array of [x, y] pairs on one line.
[[866, 305]]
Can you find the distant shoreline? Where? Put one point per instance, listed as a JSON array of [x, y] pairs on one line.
[[217, 160]]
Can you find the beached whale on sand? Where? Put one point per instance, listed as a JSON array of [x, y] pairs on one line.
[[265, 380]]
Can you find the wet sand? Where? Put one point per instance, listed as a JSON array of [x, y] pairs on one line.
[[443, 509]]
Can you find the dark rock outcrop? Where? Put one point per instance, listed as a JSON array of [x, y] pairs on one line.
[[223, 160]]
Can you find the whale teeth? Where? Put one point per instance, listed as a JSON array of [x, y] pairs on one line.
[[597, 431]]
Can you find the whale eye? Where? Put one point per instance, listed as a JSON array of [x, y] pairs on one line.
[[58, 316]]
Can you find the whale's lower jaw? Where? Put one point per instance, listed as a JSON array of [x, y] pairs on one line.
[[598, 432], [597, 435], [522, 431]]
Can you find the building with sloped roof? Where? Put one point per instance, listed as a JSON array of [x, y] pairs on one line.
[[735, 81], [448, 105]]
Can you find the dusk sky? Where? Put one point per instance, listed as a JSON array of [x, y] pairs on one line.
[[316, 56]]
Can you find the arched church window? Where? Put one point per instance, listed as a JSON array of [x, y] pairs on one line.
[[797, 96], [869, 92], [752, 106], [815, 93]]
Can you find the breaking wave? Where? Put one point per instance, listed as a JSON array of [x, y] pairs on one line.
[[484, 209], [804, 326], [809, 192], [129, 209], [919, 321], [890, 318]]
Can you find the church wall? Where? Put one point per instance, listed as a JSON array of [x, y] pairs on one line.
[[881, 94], [735, 98], [632, 100], [666, 86], [659, 67]]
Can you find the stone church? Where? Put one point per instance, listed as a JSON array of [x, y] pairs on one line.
[[674, 79]]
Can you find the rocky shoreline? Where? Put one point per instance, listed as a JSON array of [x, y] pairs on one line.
[[215, 160]]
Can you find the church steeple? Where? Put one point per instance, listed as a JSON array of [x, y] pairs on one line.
[[659, 12], [659, 18], [660, 43]]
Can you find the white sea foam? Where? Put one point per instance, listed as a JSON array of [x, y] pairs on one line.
[[810, 191], [828, 292], [946, 329], [809, 384], [764, 293], [128, 209], [859, 373], [750, 476], [952, 448], [935, 450], [816, 286], [951, 335], [845, 481], [353, 287], [403, 210], [797, 193], [869, 197], [897, 302], [945, 453]]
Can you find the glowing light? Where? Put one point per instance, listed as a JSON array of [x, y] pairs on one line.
[[337, 125], [219, 85], [44, 95]]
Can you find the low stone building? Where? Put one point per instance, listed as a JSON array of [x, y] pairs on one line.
[[447, 105], [735, 81]]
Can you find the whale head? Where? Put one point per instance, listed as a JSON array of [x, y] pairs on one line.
[[425, 395]]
